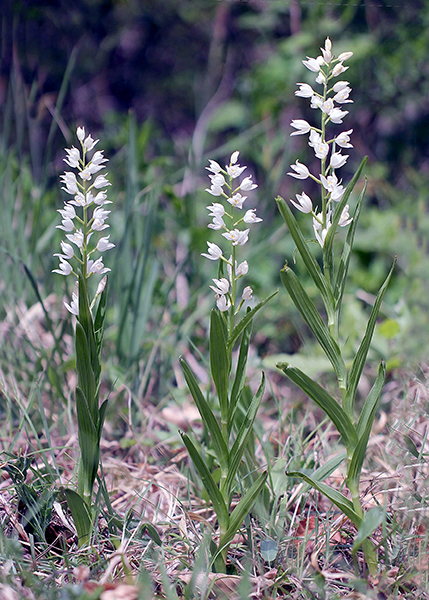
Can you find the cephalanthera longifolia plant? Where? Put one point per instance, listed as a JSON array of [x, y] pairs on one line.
[[330, 279], [83, 218], [229, 436]]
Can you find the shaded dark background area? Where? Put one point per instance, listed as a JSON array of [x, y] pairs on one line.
[[172, 60]]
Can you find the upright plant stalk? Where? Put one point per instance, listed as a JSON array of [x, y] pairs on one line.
[[229, 441], [330, 280], [89, 197]]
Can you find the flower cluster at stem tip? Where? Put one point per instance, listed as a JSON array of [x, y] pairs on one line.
[[223, 185], [89, 197], [327, 67]]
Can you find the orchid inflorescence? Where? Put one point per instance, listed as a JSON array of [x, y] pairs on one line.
[[327, 67], [79, 229], [221, 180]]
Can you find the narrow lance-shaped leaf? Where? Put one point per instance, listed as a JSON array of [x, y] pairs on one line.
[[246, 428], [241, 325], [208, 482], [364, 428], [240, 375], [313, 319], [340, 501], [360, 358], [308, 258], [207, 416], [241, 511], [343, 266], [220, 360], [329, 241], [321, 397]]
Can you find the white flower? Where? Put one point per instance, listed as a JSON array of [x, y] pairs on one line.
[[338, 69], [313, 64], [338, 160], [250, 216], [321, 78], [304, 203], [344, 138], [98, 159], [68, 212], [217, 224], [305, 90], [342, 96], [340, 85], [216, 210], [73, 307], [221, 286], [301, 171], [64, 268], [316, 101], [242, 269], [76, 238], [100, 182], [86, 174], [320, 147], [101, 286], [222, 302], [217, 179], [247, 184], [345, 56], [345, 218], [215, 190], [302, 126], [89, 143], [327, 106], [100, 199], [68, 251], [66, 225], [234, 157], [247, 293], [73, 157], [214, 167], [237, 200], [96, 267], [103, 244], [234, 170], [80, 133], [214, 252], [70, 182], [337, 115], [237, 237]]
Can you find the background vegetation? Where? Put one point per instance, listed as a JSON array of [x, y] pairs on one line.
[[165, 85]]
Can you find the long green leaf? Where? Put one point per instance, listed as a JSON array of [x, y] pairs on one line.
[[364, 427], [240, 375], [235, 333], [220, 360], [321, 397], [207, 416], [360, 358], [326, 469], [329, 241], [340, 501], [208, 482], [89, 446], [241, 511], [86, 377], [85, 320], [308, 258], [80, 514], [240, 442], [313, 319], [343, 266], [371, 520], [100, 316]]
